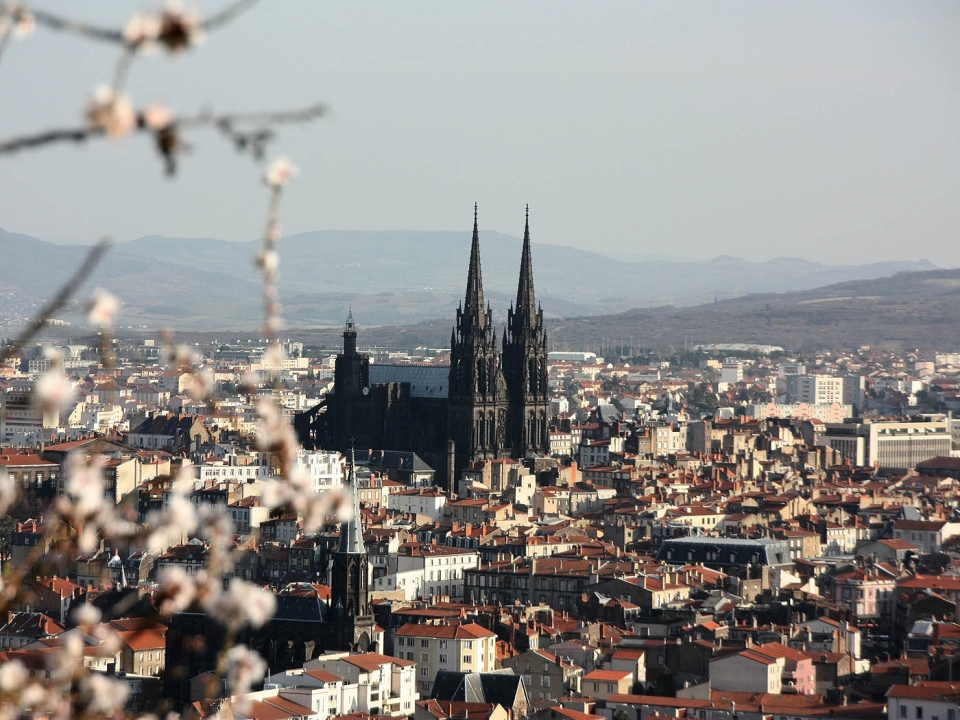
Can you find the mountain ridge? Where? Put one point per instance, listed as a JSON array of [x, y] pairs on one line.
[[389, 277]]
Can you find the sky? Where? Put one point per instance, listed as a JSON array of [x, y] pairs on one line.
[[812, 129]]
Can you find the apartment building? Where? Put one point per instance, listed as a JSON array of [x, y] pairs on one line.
[[461, 648]]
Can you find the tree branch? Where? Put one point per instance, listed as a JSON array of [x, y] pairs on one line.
[[59, 301], [55, 22], [224, 122], [227, 14]]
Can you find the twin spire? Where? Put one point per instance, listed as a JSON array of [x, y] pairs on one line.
[[526, 302]]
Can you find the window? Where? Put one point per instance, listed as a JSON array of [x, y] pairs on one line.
[[424, 643], [423, 672], [443, 658], [467, 659], [468, 644], [951, 714], [919, 712]]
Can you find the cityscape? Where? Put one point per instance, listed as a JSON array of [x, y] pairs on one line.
[[668, 428], [527, 533]]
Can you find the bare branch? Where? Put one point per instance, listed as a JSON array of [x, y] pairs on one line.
[[227, 14], [224, 122], [55, 22], [59, 301], [6, 32]]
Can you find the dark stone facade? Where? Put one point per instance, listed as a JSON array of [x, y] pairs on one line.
[[494, 404]]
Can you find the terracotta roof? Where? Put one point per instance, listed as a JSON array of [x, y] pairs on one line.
[[372, 661], [456, 632]]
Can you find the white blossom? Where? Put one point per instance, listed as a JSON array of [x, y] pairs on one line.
[[54, 391], [142, 31], [179, 590], [242, 604], [86, 614], [280, 173], [32, 697], [20, 17], [268, 260], [104, 308], [244, 667], [13, 676], [104, 695], [85, 484], [157, 117], [112, 113], [8, 493]]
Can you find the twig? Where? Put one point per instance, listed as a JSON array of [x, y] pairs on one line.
[[122, 72], [227, 14], [223, 122], [6, 32], [59, 300], [55, 22]]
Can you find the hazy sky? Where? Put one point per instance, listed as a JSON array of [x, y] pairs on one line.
[[826, 130]]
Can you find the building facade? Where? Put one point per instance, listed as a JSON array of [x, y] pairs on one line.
[[492, 402]]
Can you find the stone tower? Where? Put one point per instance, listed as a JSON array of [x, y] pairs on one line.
[[351, 571], [352, 377], [478, 402], [525, 364]]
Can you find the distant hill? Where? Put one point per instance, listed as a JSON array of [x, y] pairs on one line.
[[400, 277], [908, 309]]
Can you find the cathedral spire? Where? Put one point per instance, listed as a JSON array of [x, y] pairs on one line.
[[473, 302], [526, 307], [351, 531]]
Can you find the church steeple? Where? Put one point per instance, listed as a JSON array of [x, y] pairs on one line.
[[473, 307], [351, 531], [477, 416], [525, 362], [526, 307], [354, 628]]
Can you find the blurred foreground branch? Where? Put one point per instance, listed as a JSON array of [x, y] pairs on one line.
[[168, 134], [59, 301]]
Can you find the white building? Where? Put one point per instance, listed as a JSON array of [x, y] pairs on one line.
[[326, 468], [342, 683], [424, 571], [428, 502], [731, 372], [747, 671], [927, 700], [23, 421], [461, 648], [814, 389]]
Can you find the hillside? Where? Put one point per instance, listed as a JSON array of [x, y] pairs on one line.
[[909, 309], [400, 277]]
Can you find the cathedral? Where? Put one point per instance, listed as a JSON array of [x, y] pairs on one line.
[[490, 403]]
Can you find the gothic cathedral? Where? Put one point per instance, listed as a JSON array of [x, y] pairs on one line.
[[498, 402], [495, 405]]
